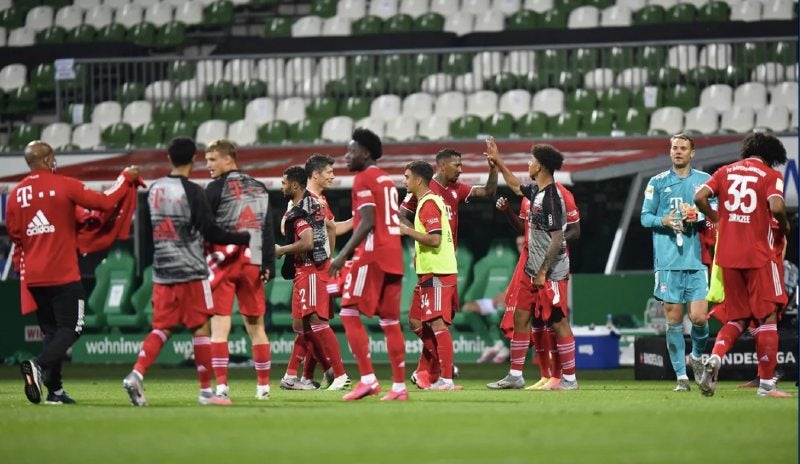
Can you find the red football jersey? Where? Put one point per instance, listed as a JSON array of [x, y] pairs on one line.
[[373, 187], [324, 202], [41, 221], [452, 194], [573, 215], [743, 190]]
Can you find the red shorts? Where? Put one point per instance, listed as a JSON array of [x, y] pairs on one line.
[[188, 303], [372, 291], [553, 296], [753, 292], [434, 298], [513, 285], [310, 295], [245, 284]]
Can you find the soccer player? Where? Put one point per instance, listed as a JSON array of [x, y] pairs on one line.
[[543, 336], [749, 193], [445, 184], [542, 289], [239, 203], [41, 222], [306, 229], [320, 177], [681, 278], [179, 216], [373, 283], [435, 263]]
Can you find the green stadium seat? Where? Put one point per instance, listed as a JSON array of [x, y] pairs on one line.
[[43, 78], [402, 85], [523, 20], [367, 25], [566, 6], [198, 112], [456, 63], [111, 33], [142, 297], [702, 76], [734, 75], [393, 65], [502, 82], [305, 131], [21, 101], [321, 109], [22, 135], [465, 261], [181, 70], [553, 19], [50, 36], [273, 132], [355, 107], [12, 18], [278, 27], [633, 122], [533, 124], [172, 34], [373, 86], [616, 100], [218, 14], [69, 114], [650, 14], [230, 110], [667, 77], [569, 81], [143, 34], [117, 135], [534, 81], [551, 62], [220, 90], [618, 58], [584, 59], [147, 135], [179, 128], [683, 96], [323, 8], [598, 123], [84, 33], [166, 113], [499, 125], [422, 65], [120, 272], [582, 100], [399, 23], [681, 13], [342, 88], [565, 124], [714, 11], [652, 57], [279, 303], [492, 273], [93, 316], [251, 89], [465, 127], [750, 54], [784, 52], [429, 22], [130, 91], [361, 66]]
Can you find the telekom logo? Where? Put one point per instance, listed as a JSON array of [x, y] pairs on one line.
[[24, 195]]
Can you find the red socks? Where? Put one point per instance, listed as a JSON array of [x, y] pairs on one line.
[[219, 361], [429, 358], [444, 343], [767, 350], [150, 350], [396, 346], [263, 363], [330, 345], [727, 337], [202, 359], [555, 359], [541, 346], [519, 348], [298, 353], [357, 339], [566, 353]]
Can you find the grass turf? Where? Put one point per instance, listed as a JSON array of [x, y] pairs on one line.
[[612, 419]]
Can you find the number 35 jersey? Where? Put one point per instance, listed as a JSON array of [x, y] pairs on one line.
[[373, 187], [743, 190]]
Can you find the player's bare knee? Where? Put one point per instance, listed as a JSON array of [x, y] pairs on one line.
[[414, 324]]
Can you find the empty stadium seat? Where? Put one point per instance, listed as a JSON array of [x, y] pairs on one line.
[[85, 5], [13, 76], [413, 8], [129, 15], [468, 83], [39, 18], [107, 113], [599, 79], [482, 104], [515, 102], [434, 127], [376, 125], [138, 113], [211, 130], [748, 10], [475, 6], [507, 7], [87, 136], [487, 64], [58, 135], [437, 83], [548, 101], [418, 105], [337, 129], [459, 23], [159, 14], [738, 119], [519, 62], [750, 95], [584, 17], [772, 117], [716, 56], [489, 21], [444, 7], [307, 26], [243, 132], [682, 57], [702, 119], [291, 110], [383, 8], [768, 73], [386, 107], [336, 26], [21, 37], [99, 16], [616, 16], [190, 13], [69, 17], [784, 94], [668, 119], [777, 10], [450, 105], [260, 110], [633, 78], [718, 97], [401, 128], [299, 68]]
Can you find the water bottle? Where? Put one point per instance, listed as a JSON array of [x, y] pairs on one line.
[[609, 321]]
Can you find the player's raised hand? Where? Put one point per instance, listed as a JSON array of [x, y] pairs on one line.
[[501, 204], [492, 154]]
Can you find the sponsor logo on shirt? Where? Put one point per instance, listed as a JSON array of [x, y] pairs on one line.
[[40, 225], [248, 220], [165, 230]]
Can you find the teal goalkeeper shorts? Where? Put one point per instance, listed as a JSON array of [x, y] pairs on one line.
[[681, 286]]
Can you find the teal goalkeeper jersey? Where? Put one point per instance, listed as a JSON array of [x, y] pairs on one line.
[[663, 193]]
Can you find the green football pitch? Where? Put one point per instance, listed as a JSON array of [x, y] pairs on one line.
[[612, 419]]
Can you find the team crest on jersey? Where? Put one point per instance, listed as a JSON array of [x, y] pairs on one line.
[[779, 184], [537, 200], [648, 192], [455, 195]]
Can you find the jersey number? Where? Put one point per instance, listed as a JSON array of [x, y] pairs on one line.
[[742, 196], [391, 217]]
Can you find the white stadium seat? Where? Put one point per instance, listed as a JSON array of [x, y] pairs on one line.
[[667, 4], [213, 129], [773, 117], [468, 82], [520, 62], [548, 101], [751, 95], [444, 7], [85, 5], [138, 113], [777, 10], [336, 26], [450, 105], [489, 21], [785, 94], [748, 10], [39, 18], [539, 6], [260, 110], [378, 126], [599, 79], [331, 68], [418, 105], [129, 15], [291, 110], [210, 71], [507, 7], [58, 135], [386, 107], [69, 17], [13, 76], [337, 129], [351, 8], [475, 7], [633, 78], [189, 90], [413, 8], [21, 37], [87, 136], [717, 96], [299, 69], [434, 127], [401, 128], [482, 104], [668, 119], [459, 23], [793, 120], [702, 119], [158, 91], [383, 8], [116, 3], [99, 17], [239, 71], [437, 83], [515, 102], [487, 64], [716, 56], [584, 17], [159, 14], [768, 73], [307, 26], [107, 113], [616, 16], [190, 13], [682, 57], [738, 119], [243, 132], [270, 69]]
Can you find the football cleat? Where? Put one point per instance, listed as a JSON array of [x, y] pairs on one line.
[[565, 384], [396, 396], [509, 382], [773, 392], [362, 390], [339, 383], [422, 380], [682, 386], [135, 387], [708, 384], [262, 392], [63, 398], [32, 374], [697, 368], [538, 385]]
